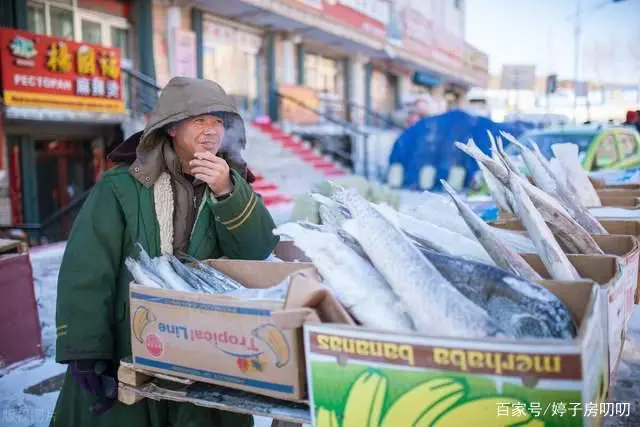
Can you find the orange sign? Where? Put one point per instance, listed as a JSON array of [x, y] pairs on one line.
[[54, 73], [293, 102]]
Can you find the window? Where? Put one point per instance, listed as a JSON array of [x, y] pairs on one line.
[[36, 18], [61, 22], [119, 39], [606, 153], [91, 31], [628, 144]]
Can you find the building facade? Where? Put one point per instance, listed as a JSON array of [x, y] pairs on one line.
[[64, 98], [359, 58], [353, 60]]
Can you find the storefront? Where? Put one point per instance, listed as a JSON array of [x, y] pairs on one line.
[[384, 96], [324, 73], [63, 104], [231, 57]]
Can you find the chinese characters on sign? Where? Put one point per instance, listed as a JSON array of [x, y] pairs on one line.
[[563, 409], [51, 73]]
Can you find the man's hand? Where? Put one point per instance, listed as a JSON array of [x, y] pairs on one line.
[[98, 378], [214, 171]]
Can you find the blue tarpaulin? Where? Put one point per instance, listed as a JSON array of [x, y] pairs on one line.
[[430, 141]]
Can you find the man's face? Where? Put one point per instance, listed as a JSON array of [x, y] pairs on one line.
[[197, 134]]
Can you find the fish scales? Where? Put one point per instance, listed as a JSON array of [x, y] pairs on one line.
[[357, 284], [433, 303], [502, 254]]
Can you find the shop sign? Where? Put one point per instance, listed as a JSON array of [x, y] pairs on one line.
[[216, 34], [293, 102], [417, 32], [111, 7], [185, 53], [58, 74], [370, 16]]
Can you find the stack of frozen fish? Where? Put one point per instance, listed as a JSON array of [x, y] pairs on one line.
[[438, 268], [168, 272], [397, 272]]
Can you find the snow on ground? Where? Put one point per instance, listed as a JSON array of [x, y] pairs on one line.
[[16, 407]]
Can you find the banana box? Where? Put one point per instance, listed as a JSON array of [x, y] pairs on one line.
[[252, 345], [362, 377], [623, 241]]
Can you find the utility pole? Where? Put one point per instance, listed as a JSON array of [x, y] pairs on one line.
[[576, 60]]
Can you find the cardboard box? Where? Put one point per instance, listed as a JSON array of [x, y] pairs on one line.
[[601, 185], [607, 272], [619, 192], [249, 345], [395, 379], [615, 244], [619, 200]]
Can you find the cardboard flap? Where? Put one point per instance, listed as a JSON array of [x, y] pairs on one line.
[[603, 269], [306, 291], [292, 319]]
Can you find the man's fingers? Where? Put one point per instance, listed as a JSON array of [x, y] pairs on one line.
[[206, 155], [202, 170], [206, 163]]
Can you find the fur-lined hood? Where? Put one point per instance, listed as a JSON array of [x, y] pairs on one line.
[[185, 97]]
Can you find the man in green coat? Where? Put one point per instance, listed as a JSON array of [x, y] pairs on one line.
[[185, 192]]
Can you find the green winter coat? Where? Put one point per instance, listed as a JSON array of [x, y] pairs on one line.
[[93, 285]]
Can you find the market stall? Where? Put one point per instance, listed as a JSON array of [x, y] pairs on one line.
[[424, 315]]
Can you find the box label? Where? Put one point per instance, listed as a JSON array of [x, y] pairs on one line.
[[388, 380], [216, 342]]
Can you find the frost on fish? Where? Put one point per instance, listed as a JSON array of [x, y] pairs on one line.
[[518, 241], [360, 287], [550, 252], [497, 190], [502, 254], [274, 293], [435, 237], [435, 306], [567, 155], [440, 212], [539, 314]]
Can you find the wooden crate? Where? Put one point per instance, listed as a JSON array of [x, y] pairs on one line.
[[135, 384]]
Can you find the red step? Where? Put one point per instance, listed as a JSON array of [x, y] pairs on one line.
[[334, 172], [313, 158], [301, 150], [275, 199], [264, 186]]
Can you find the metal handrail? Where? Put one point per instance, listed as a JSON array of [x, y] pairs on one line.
[[343, 123], [347, 125], [40, 228], [389, 122], [142, 77]]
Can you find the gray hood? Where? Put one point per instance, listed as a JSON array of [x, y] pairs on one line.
[[181, 98]]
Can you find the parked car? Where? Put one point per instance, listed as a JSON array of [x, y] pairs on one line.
[[600, 147]]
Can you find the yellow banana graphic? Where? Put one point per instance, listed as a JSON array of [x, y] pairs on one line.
[[276, 341], [365, 400], [421, 405], [326, 418], [485, 412], [141, 318]]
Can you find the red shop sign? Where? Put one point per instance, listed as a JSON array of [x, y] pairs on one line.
[[54, 73]]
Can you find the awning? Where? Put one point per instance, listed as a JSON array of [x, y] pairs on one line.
[[284, 17]]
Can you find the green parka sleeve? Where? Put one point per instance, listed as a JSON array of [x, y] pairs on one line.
[[87, 278], [243, 223]]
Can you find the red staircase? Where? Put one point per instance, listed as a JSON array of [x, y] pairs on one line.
[[271, 194], [301, 149]]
